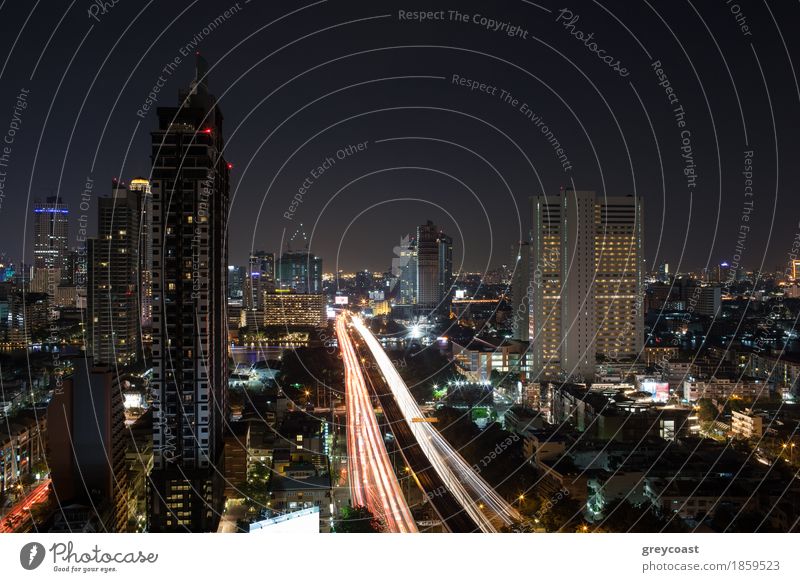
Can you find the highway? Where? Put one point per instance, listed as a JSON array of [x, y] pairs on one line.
[[477, 498], [373, 483], [447, 508], [19, 515]]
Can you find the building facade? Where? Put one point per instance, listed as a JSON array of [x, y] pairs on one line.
[[293, 310], [300, 271], [190, 371], [50, 233], [586, 282], [260, 279], [113, 289], [407, 280], [520, 292], [145, 248], [87, 443], [434, 260]]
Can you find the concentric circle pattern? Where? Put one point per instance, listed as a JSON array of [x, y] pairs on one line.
[[340, 266]]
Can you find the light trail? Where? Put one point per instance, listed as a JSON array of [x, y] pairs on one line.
[[469, 488], [20, 513], [373, 483]]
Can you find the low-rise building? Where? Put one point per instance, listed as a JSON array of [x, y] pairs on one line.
[[612, 415], [478, 359], [746, 425], [697, 499], [22, 447], [723, 389], [302, 486]]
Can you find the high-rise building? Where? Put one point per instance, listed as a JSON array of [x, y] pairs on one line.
[[190, 369], [545, 307], [27, 316], [86, 443], [709, 301], [434, 266], [50, 247], [587, 282], [663, 272], [723, 273], [50, 234], [260, 279], [300, 271], [236, 282], [113, 278], [445, 265], [145, 249], [520, 291], [363, 283], [404, 268]]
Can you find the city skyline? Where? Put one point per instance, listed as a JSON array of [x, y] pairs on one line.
[[681, 206], [501, 268]]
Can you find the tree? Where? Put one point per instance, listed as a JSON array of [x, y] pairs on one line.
[[706, 411], [564, 516], [357, 519]]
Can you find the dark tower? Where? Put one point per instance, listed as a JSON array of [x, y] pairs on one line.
[[190, 371]]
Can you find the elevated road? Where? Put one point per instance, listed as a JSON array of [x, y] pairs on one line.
[[447, 508], [488, 510], [373, 483]]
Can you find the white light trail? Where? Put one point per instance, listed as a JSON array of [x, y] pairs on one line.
[[469, 488], [373, 483]]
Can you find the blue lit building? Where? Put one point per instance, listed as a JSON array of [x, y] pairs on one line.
[[50, 233]]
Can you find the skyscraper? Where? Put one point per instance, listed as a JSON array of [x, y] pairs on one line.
[[663, 273], [190, 370], [520, 289], [260, 279], [723, 273], [586, 279], [113, 278], [50, 234], [445, 265], [434, 265], [300, 271], [404, 269], [142, 186], [86, 444], [427, 266], [236, 282]]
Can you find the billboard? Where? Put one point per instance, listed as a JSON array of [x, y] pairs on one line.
[[658, 390]]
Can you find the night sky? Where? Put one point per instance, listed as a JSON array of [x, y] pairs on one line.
[[300, 81]]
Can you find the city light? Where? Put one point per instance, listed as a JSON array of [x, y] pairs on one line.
[[373, 482], [465, 485]]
